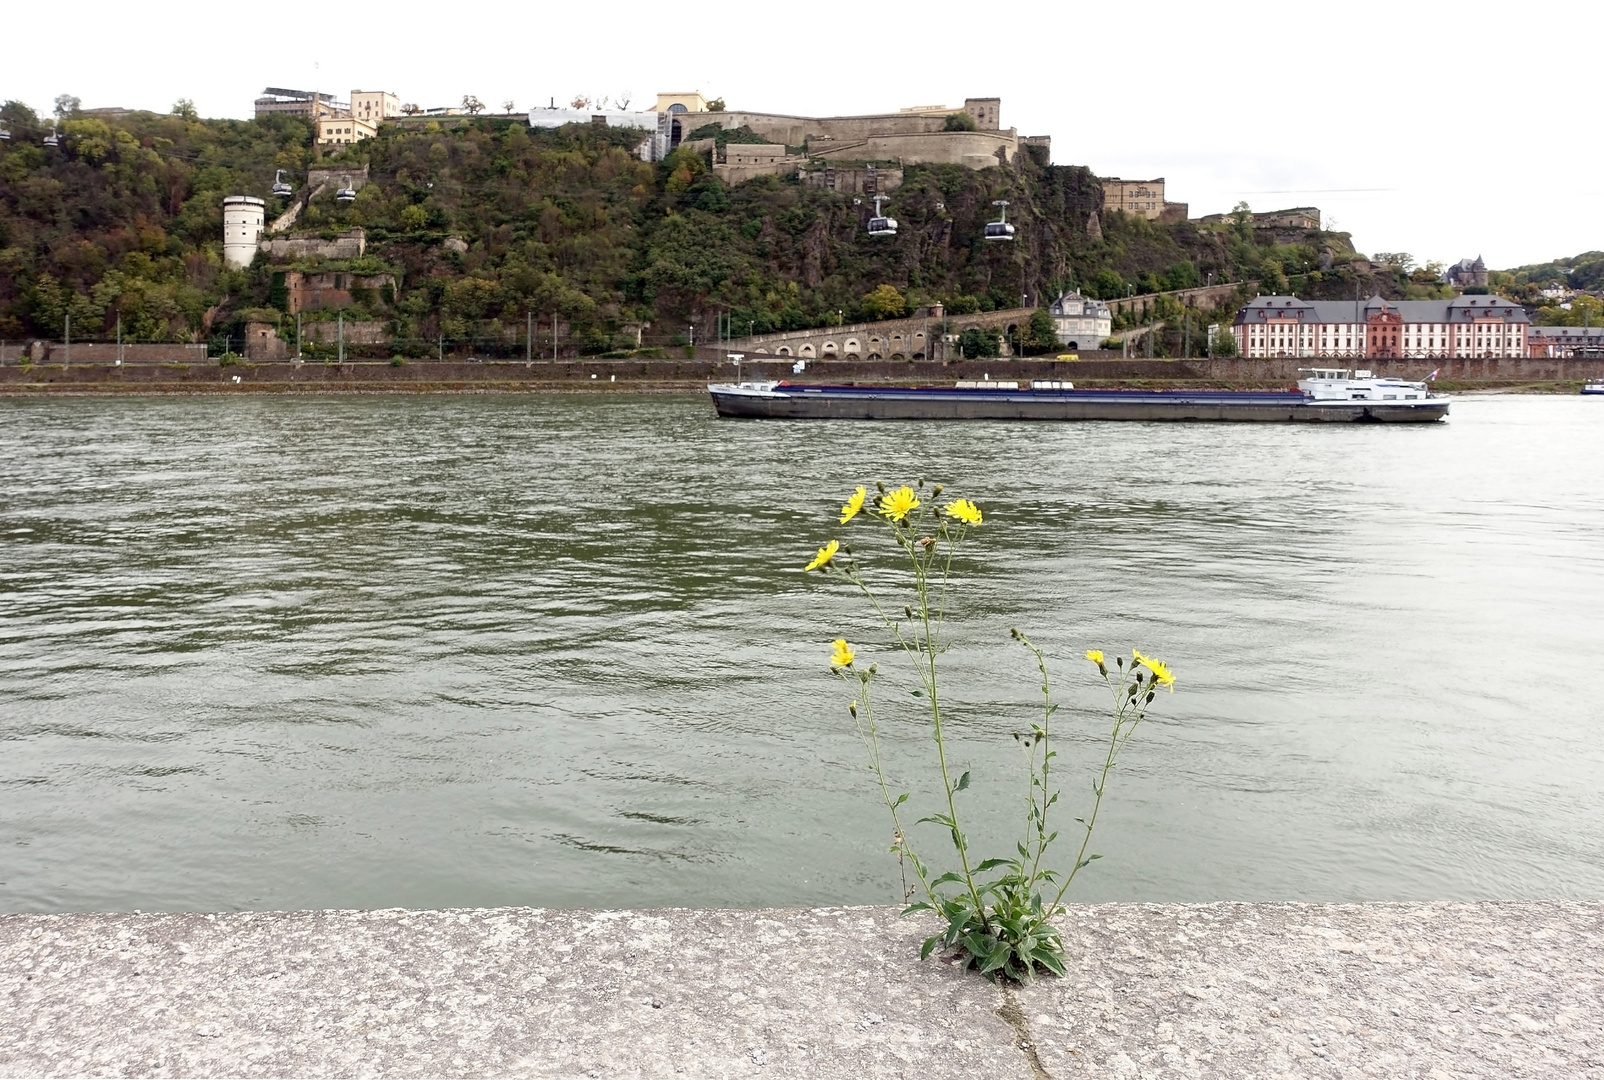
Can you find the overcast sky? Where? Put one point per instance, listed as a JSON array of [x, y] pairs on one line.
[[1444, 130]]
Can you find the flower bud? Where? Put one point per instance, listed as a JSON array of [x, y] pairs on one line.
[[939, 488], [880, 486], [907, 610], [853, 708], [1150, 697]]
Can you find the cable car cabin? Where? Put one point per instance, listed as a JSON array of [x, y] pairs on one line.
[[882, 226], [346, 193], [999, 230], [5, 132], [280, 188], [51, 139]]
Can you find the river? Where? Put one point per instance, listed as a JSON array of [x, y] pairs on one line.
[[372, 651]]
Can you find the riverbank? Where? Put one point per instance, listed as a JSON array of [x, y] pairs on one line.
[[1162, 990], [692, 375]]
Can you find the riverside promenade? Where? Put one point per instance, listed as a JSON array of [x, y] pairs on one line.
[[1443, 990]]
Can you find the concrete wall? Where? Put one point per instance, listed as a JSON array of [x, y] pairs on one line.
[[54, 352]]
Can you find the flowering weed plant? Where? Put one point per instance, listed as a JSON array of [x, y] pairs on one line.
[[997, 912]]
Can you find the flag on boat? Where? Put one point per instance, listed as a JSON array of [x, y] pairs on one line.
[[1433, 376]]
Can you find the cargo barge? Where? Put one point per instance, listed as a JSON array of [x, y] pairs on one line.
[[1327, 395]]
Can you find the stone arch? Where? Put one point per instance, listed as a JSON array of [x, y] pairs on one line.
[[874, 356], [898, 356], [1073, 345], [761, 352], [806, 351], [829, 349], [783, 350], [920, 355], [874, 344], [919, 336], [852, 348]]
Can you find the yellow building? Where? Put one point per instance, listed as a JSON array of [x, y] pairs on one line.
[[341, 130], [691, 102], [374, 106]]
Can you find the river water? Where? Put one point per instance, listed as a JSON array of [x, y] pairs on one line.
[[426, 651]]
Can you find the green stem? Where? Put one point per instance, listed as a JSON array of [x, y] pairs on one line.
[[1123, 703]]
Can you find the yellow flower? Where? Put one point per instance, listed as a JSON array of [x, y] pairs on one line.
[[854, 504], [1095, 656], [898, 504], [826, 553], [842, 657], [965, 511], [1161, 672]]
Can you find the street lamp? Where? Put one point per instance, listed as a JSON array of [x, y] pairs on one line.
[[736, 359]]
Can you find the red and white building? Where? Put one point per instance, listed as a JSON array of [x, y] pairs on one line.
[[1466, 326]]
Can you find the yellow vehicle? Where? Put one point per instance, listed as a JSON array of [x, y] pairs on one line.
[[1069, 356]]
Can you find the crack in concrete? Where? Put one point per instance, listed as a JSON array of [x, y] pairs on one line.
[[1014, 1017]]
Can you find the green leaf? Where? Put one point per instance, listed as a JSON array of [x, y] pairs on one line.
[[901, 799], [911, 908], [963, 782], [992, 864], [917, 693], [929, 946]]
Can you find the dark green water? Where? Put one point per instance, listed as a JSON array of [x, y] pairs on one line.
[[376, 651]]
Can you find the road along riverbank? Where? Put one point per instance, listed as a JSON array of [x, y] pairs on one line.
[[691, 375], [1308, 990]]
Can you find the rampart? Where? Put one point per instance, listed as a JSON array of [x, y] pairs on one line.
[[974, 149], [350, 244]]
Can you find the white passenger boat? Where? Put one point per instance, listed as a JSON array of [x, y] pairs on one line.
[[1595, 387]]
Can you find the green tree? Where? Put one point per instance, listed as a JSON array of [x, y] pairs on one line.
[[977, 344], [184, 108], [885, 302], [959, 121], [1043, 332]]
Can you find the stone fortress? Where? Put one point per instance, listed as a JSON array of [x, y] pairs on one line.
[[911, 136]]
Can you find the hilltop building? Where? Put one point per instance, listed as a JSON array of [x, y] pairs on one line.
[[1467, 326], [374, 106], [1080, 322], [311, 104], [910, 136], [1467, 274]]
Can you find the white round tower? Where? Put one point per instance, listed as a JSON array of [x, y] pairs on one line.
[[243, 216]]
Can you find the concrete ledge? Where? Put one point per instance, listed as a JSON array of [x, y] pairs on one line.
[[1213, 990]]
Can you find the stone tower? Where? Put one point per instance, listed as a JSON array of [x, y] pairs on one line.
[[243, 216]]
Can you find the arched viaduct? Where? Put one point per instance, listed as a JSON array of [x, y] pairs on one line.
[[922, 337]]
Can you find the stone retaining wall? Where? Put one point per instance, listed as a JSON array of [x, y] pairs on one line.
[[1505, 990]]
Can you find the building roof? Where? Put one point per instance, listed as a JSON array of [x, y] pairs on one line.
[[1569, 333], [1459, 309]]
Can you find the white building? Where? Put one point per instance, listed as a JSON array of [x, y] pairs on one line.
[[243, 216], [1466, 326], [1080, 322]]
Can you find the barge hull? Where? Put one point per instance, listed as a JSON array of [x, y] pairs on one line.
[[1290, 408]]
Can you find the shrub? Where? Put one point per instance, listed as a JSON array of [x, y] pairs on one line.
[[997, 912]]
